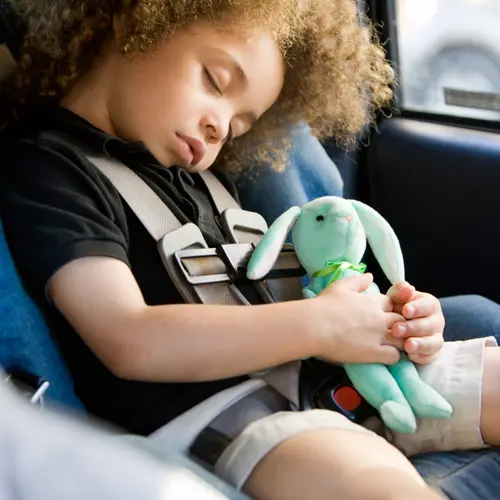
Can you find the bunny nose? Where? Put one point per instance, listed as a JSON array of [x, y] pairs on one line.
[[348, 218]]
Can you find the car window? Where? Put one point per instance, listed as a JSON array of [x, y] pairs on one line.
[[449, 56]]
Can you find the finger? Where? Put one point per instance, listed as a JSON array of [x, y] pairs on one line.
[[355, 283], [388, 355], [386, 303], [392, 318], [401, 293], [422, 359], [422, 306], [389, 340], [398, 308], [427, 346], [421, 327]]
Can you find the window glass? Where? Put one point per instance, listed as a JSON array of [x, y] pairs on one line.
[[449, 56]]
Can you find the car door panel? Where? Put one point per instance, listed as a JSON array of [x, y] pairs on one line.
[[439, 187]]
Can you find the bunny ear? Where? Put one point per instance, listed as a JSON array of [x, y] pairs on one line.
[[383, 241], [269, 247]]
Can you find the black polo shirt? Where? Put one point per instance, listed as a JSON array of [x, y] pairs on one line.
[[56, 207]]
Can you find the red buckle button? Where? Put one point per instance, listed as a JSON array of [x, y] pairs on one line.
[[347, 398]]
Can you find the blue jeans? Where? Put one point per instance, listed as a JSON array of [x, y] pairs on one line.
[[311, 173]]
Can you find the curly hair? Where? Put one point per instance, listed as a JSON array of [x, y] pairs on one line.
[[337, 76]]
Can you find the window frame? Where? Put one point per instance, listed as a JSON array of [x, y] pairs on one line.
[[384, 14]]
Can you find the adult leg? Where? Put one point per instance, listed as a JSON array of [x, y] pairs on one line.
[[462, 475], [470, 317]]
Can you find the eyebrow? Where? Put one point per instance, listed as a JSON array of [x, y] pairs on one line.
[[240, 72], [242, 77], [235, 66]]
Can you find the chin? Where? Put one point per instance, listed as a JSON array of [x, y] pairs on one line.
[[163, 158]]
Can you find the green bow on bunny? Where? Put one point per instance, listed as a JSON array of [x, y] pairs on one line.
[[329, 236]]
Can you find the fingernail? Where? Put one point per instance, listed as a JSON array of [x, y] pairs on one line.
[[400, 331], [414, 346], [410, 311]]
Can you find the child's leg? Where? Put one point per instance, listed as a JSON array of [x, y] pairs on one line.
[[316, 454], [490, 402], [336, 463], [466, 373]]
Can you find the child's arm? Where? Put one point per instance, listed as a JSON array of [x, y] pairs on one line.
[[101, 299]]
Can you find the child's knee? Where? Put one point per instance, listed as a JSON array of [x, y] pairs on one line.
[[270, 435], [325, 463]]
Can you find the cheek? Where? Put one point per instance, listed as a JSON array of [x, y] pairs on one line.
[[156, 91]]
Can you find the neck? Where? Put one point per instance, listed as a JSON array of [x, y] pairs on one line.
[[88, 98]]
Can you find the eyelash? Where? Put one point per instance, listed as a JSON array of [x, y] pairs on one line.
[[212, 82]]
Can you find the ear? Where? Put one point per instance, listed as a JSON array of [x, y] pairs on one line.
[[269, 247], [383, 241]]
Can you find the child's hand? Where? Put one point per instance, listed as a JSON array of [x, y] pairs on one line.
[[423, 332], [354, 327]]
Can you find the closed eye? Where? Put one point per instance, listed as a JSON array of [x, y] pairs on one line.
[[211, 81]]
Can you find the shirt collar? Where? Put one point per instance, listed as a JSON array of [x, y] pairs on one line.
[[49, 116]]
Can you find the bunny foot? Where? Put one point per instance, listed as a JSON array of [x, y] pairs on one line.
[[427, 403], [398, 417]]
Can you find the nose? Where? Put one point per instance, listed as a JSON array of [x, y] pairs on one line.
[[348, 218], [215, 129]]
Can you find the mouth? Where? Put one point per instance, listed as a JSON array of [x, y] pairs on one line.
[[191, 150]]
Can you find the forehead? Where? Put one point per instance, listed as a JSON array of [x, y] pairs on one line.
[[253, 42], [253, 51]]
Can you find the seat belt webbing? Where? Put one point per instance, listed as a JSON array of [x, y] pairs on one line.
[[153, 213], [221, 196], [156, 217]]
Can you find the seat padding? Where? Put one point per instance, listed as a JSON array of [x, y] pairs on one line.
[[25, 341]]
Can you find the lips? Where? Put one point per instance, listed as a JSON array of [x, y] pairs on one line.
[[191, 150]]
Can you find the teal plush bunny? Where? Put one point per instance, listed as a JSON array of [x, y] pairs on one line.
[[329, 236]]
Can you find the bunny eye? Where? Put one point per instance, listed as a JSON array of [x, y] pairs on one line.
[[320, 218]]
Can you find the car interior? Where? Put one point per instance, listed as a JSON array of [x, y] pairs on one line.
[[432, 175]]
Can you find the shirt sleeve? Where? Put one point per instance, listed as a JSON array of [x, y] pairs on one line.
[[56, 208]]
